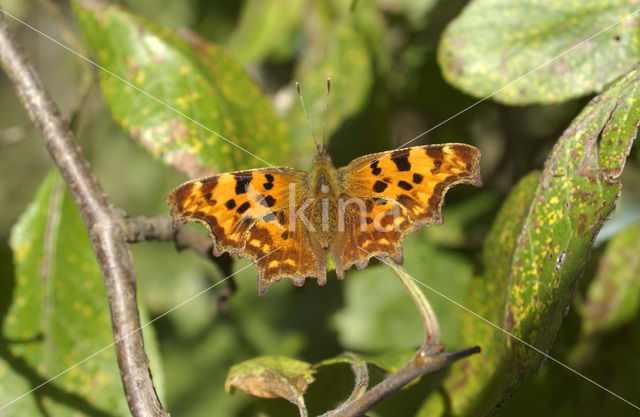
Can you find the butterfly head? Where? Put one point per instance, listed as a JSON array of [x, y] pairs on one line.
[[322, 150], [322, 154]]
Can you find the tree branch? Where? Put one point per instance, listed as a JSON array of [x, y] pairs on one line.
[[139, 229], [103, 222], [427, 359]]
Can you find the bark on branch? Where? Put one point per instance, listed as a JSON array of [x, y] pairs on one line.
[[104, 223], [160, 228], [427, 359]]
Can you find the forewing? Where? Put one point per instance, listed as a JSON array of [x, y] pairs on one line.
[[246, 213], [402, 190]]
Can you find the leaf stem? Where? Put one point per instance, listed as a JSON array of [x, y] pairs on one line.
[[431, 327], [361, 373], [428, 358]]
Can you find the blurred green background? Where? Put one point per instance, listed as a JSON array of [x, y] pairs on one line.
[[392, 64]]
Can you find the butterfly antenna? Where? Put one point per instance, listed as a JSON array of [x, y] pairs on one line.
[[306, 115], [326, 111]]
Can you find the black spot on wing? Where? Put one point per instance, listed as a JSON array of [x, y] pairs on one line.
[[285, 235], [379, 186], [267, 201], [230, 204], [268, 177], [401, 159], [405, 185], [374, 168], [417, 178], [243, 207], [207, 196], [267, 185], [242, 181]]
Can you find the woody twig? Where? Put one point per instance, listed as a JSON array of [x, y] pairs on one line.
[[426, 360], [160, 228]]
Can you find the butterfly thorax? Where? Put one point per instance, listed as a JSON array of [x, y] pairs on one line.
[[324, 190]]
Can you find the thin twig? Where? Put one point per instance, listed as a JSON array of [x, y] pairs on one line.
[[160, 228], [427, 359], [103, 222]]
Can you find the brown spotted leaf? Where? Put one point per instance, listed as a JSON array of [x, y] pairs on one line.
[[272, 377], [184, 100], [543, 51], [537, 250]]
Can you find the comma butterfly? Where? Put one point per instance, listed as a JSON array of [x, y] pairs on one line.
[[288, 222]]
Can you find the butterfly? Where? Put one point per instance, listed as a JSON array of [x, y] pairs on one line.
[[289, 222]]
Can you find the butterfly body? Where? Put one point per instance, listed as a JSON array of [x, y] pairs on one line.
[[289, 222], [325, 190]]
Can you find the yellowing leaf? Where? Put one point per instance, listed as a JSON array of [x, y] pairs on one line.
[[537, 251], [520, 50], [272, 377], [183, 99]]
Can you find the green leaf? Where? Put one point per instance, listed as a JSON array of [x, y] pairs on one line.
[[388, 361], [613, 363], [613, 297], [537, 250], [199, 81], [379, 315], [272, 377], [495, 42], [359, 368], [266, 28], [336, 47], [59, 316]]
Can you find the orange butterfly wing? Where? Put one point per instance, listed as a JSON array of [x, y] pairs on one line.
[[401, 190], [247, 213]]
